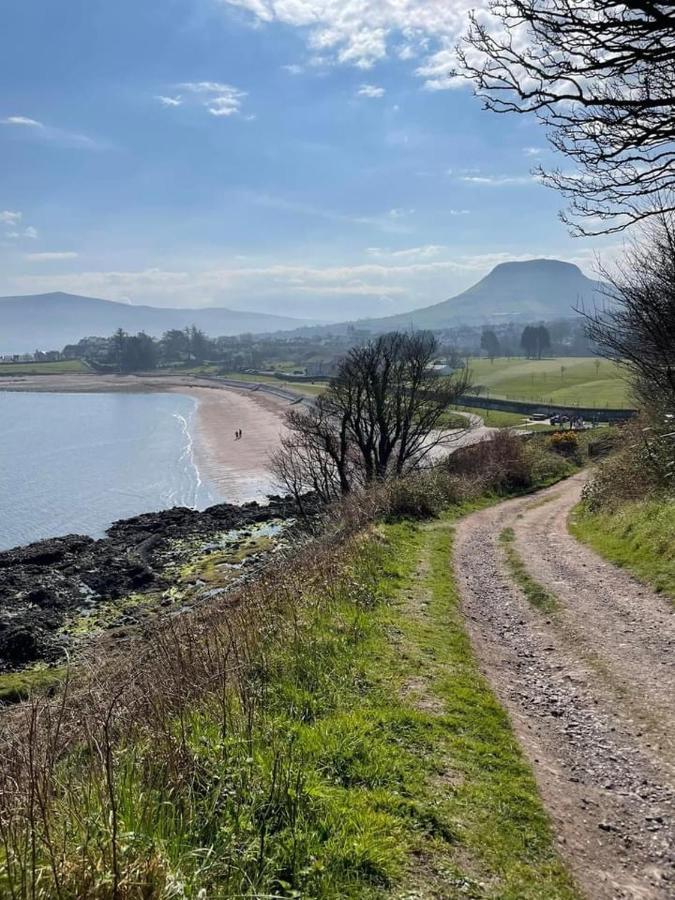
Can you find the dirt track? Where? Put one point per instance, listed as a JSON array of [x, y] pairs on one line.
[[590, 689]]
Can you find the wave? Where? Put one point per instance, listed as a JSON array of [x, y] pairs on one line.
[[188, 461]]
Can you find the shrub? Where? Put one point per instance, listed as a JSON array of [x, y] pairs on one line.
[[500, 463], [566, 443], [644, 466]]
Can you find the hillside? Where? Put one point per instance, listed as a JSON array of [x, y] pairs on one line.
[[50, 321], [540, 289]]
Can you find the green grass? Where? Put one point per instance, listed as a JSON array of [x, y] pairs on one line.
[[495, 418], [638, 536], [16, 686], [366, 758], [534, 592], [584, 381], [62, 367]]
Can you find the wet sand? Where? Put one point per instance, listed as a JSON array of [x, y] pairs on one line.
[[238, 469]]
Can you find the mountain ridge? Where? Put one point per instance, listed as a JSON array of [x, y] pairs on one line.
[[52, 320], [537, 289]]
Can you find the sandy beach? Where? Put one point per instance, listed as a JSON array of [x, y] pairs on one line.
[[238, 469]]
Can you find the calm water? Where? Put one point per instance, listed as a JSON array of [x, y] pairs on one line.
[[77, 462]]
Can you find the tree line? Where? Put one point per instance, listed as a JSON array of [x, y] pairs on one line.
[[535, 341]]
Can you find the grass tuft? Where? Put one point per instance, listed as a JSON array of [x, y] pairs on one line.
[[535, 592]]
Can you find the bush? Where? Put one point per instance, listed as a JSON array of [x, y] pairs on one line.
[[500, 464], [566, 443], [643, 467]]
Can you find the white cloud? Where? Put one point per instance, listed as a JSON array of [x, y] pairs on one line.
[[12, 222], [428, 251], [53, 256], [28, 232], [372, 91], [219, 99], [363, 32], [170, 101], [7, 217], [499, 180], [39, 131], [391, 281], [22, 121], [293, 69], [532, 151]]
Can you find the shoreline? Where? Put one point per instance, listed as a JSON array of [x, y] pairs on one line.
[[236, 469]]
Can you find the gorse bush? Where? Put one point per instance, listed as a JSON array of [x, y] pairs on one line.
[[565, 442]]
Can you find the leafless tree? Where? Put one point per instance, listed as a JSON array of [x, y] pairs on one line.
[[636, 327], [600, 75], [381, 416]]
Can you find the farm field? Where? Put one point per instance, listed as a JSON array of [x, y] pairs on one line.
[[62, 367], [577, 381]]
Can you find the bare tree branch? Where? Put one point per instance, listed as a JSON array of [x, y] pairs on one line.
[[600, 75]]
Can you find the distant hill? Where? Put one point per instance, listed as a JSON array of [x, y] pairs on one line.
[[539, 289], [50, 321]]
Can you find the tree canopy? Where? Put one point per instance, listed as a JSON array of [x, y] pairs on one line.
[[381, 416]]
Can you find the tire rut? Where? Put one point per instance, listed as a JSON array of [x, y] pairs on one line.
[[589, 690]]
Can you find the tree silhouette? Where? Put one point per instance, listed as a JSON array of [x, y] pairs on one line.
[[600, 75]]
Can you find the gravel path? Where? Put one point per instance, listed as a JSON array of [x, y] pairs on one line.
[[590, 689]]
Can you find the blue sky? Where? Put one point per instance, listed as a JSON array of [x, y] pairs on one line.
[[307, 157]]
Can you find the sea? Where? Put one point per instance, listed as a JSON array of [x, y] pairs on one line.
[[75, 463]]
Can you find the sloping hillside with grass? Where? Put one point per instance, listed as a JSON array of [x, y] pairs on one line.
[[577, 381], [322, 731]]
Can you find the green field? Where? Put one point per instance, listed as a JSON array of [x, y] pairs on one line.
[[62, 367], [573, 381]]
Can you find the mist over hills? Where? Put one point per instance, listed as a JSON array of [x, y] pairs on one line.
[[50, 321], [538, 289]]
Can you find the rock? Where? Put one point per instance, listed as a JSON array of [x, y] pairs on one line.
[[44, 583]]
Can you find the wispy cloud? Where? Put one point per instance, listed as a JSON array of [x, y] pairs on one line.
[[8, 217], [395, 281], [13, 230], [36, 130], [221, 100], [170, 101], [50, 256], [428, 251], [499, 180], [22, 122], [532, 151], [373, 91], [392, 221], [293, 69]]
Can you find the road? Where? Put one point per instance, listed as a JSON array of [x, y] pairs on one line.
[[589, 686]]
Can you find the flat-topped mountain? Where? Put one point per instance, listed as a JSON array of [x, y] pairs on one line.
[[50, 321], [539, 289]]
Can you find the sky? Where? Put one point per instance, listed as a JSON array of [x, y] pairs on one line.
[[306, 157]]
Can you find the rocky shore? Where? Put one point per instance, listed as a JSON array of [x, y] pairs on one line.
[[51, 590]]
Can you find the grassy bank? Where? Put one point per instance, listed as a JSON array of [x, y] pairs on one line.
[[61, 367], [639, 536], [367, 758], [321, 732]]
